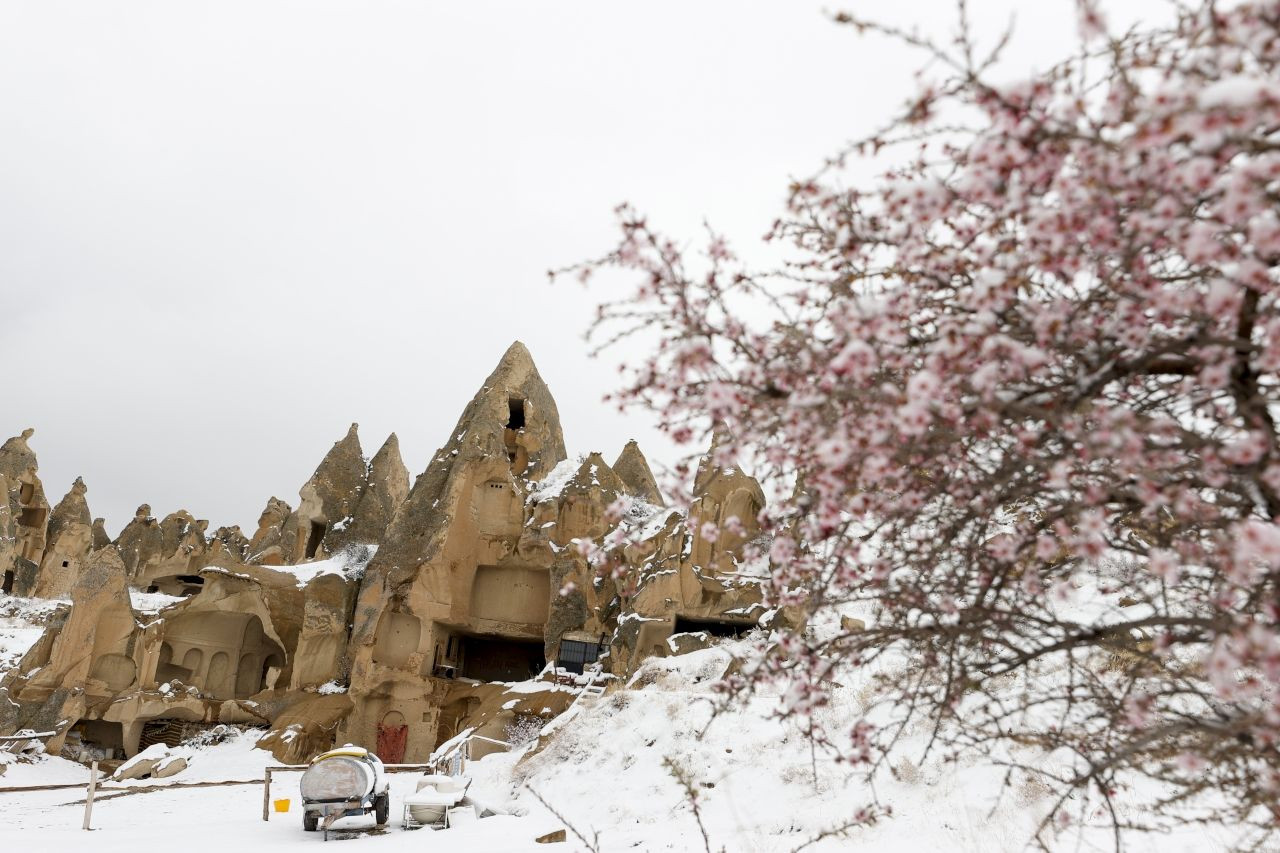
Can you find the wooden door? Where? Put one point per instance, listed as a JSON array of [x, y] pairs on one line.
[[392, 740]]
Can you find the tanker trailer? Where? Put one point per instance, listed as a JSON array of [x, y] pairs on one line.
[[343, 783]]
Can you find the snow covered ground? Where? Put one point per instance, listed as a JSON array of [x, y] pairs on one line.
[[609, 770], [21, 623]]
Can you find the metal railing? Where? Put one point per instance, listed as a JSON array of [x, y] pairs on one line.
[[462, 752]]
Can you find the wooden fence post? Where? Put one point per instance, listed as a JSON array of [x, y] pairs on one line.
[[266, 795], [88, 800]]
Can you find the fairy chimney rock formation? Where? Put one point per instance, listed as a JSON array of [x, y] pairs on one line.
[[479, 578], [723, 515], [140, 542], [580, 508], [319, 526], [449, 566], [89, 659], [24, 515], [100, 537], [634, 471], [508, 434], [385, 490], [70, 539], [17, 457], [267, 545]]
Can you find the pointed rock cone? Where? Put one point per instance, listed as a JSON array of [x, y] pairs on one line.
[[327, 502], [508, 435], [385, 491], [634, 471], [70, 538], [17, 457]]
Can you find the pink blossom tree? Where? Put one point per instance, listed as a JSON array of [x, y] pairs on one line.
[[1017, 401]]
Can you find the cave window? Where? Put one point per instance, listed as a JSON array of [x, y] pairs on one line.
[[7, 586], [313, 541], [32, 516], [66, 564], [714, 627], [26, 493], [574, 656], [515, 409]]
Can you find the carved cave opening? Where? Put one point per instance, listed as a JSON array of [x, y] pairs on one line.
[[714, 627], [314, 538], [33, 516], [501, 659], [180, 585], [515, 412], [94, 739]]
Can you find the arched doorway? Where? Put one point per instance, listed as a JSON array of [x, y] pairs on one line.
[[191, 663], [216, 683], [272, 662], [247, 681], [393, 737]]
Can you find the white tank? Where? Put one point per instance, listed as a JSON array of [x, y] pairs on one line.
[[338, 777]]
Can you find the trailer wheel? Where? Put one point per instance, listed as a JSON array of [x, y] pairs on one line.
[[382, 808], [310, 821]]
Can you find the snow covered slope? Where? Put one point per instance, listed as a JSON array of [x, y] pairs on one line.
[[22, 622], [609, 773], [759, 787]]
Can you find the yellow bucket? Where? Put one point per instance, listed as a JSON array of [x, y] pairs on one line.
[[282, 805]]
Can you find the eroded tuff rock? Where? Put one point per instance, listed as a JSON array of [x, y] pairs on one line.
[[267, 545], [101, 539], [24, 516], [633, 469], [139, 542], [328, 500], [232, 541], [84, 661], [448, 568], [70, 539], [385, 490], [375, 612]]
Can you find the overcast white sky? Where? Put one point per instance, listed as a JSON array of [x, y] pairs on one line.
[[228, 230]]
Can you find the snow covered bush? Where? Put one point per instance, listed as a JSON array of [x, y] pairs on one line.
[[523, 729], [1017, 402]]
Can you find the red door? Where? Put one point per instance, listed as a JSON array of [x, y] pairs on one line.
[[391, 743]]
